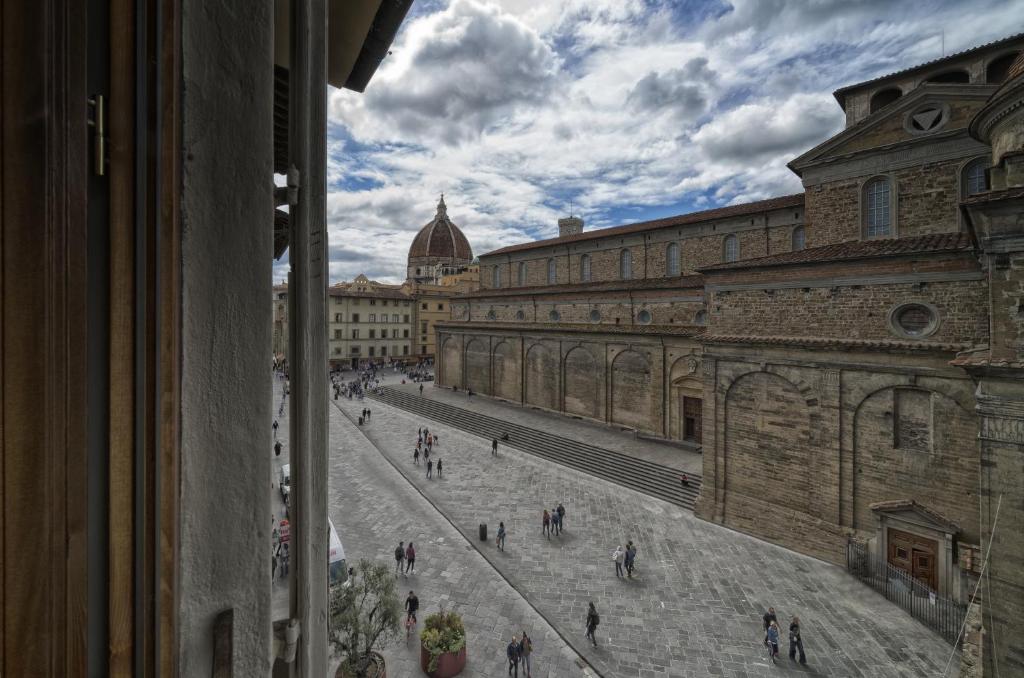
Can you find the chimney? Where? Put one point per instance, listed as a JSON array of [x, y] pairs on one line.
[[569, 226]]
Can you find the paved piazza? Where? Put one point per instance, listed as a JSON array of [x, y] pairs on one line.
[[693, 608]]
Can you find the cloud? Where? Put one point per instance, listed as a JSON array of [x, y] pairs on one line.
[[683, 91]]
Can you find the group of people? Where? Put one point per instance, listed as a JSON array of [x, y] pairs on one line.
[[772, 634], [518, 652], [625, 558], [553, 522], [425, 442], [405, 555]]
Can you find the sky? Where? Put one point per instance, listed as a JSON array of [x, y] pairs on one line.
[[619, 111]]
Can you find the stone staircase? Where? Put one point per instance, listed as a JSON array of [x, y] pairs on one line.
[[641, 475]]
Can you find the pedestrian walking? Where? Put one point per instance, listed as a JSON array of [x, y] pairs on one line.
[[593, 619], [277, 448], [767, 620], [421, 389], [368, 413], [275, 429], [500, 539], [410, 559], [556, 524], [618, 555], [438, 468], [685, 480], [561, 517], [285, 558], [630, 558], [512, 652], [399, 557], [545, 522], [494, 447], [796, 641], [416, 456], [773, 639], [525, 650], [426, 455], [365, 416], [430, 468], [412, 604]]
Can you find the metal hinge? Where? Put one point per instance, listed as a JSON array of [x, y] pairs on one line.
[[98, 122]]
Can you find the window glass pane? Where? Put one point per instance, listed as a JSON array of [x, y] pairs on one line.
[[799, 238], [732, 248], [625, 265], [876, 203], [585, 268], [551, 271], [976, 181], [672, 259]]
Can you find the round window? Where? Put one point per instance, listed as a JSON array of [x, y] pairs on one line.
[[927, 118], [595, 316], [520, 315], [644, 317], [554, 316], [914, 320]]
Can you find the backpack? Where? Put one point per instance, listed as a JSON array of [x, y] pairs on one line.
[[596, 619]]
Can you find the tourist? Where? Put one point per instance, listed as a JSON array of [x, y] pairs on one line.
[[773, 638], [525, 649], [410, 559], [421, 389], [368, 414], [545, 522], [561, 516], [500, 539], [685, 480], [275, 429], [416, 456], [555, 522], [630, 558], [426, 455], [512, 652], [618, 555], [399, 557], [364, 413], [768, 618], [438, 468], [277, 448], [593, 619], [412, 604], [430, 468], [494, 446], [796, 642]]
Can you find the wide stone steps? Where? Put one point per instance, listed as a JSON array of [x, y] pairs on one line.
[[641, 475]]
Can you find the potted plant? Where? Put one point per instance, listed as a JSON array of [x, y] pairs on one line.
[[443, 645], [365, 613]]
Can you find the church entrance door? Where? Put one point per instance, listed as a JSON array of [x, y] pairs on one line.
[[914, 555], [692, 408]]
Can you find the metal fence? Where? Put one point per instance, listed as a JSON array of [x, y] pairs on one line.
[[941, 614]]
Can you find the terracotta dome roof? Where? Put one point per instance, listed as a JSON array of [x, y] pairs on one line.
[[441, 239]]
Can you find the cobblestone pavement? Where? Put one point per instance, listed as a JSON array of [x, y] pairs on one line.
[[374, 507], [694, 607], [611, 437]]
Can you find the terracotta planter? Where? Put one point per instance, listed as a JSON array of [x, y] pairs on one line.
[[449, 664], [377, 668]]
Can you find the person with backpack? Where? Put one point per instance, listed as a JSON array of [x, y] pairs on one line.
[[512, 652], [593, 619], [773, 639], [525, 650], [500, 539], [410, 559], [796, 641], [618, 555], [399, 557]]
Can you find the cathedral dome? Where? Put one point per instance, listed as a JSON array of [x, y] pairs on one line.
[[440, 241]]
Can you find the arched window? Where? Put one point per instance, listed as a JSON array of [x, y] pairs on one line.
[[521, 274], [585, 268], [884, 97], [625, 265], [974, 178], [551, 271], [496, 277], [672, 259], [731, 249], [998, 69], [799, 238], [878, 208]]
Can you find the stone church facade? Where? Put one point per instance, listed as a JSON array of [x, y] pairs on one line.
[[849, 360]]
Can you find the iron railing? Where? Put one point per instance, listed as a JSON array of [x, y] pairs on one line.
[[939, 613]]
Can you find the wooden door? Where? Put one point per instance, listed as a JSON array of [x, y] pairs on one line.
[[692, 408], [914, 555]]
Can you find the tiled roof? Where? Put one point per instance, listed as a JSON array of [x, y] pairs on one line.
[[680, 282], [830, 343], [796, 200], [595, 328], [839, 93], [857, 249], [992, 196]]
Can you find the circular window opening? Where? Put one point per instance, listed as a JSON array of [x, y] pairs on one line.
[[914, 321], [554, 316], [644, 317], [491, 315], [926, 119], [595, 316], [520, 315]]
